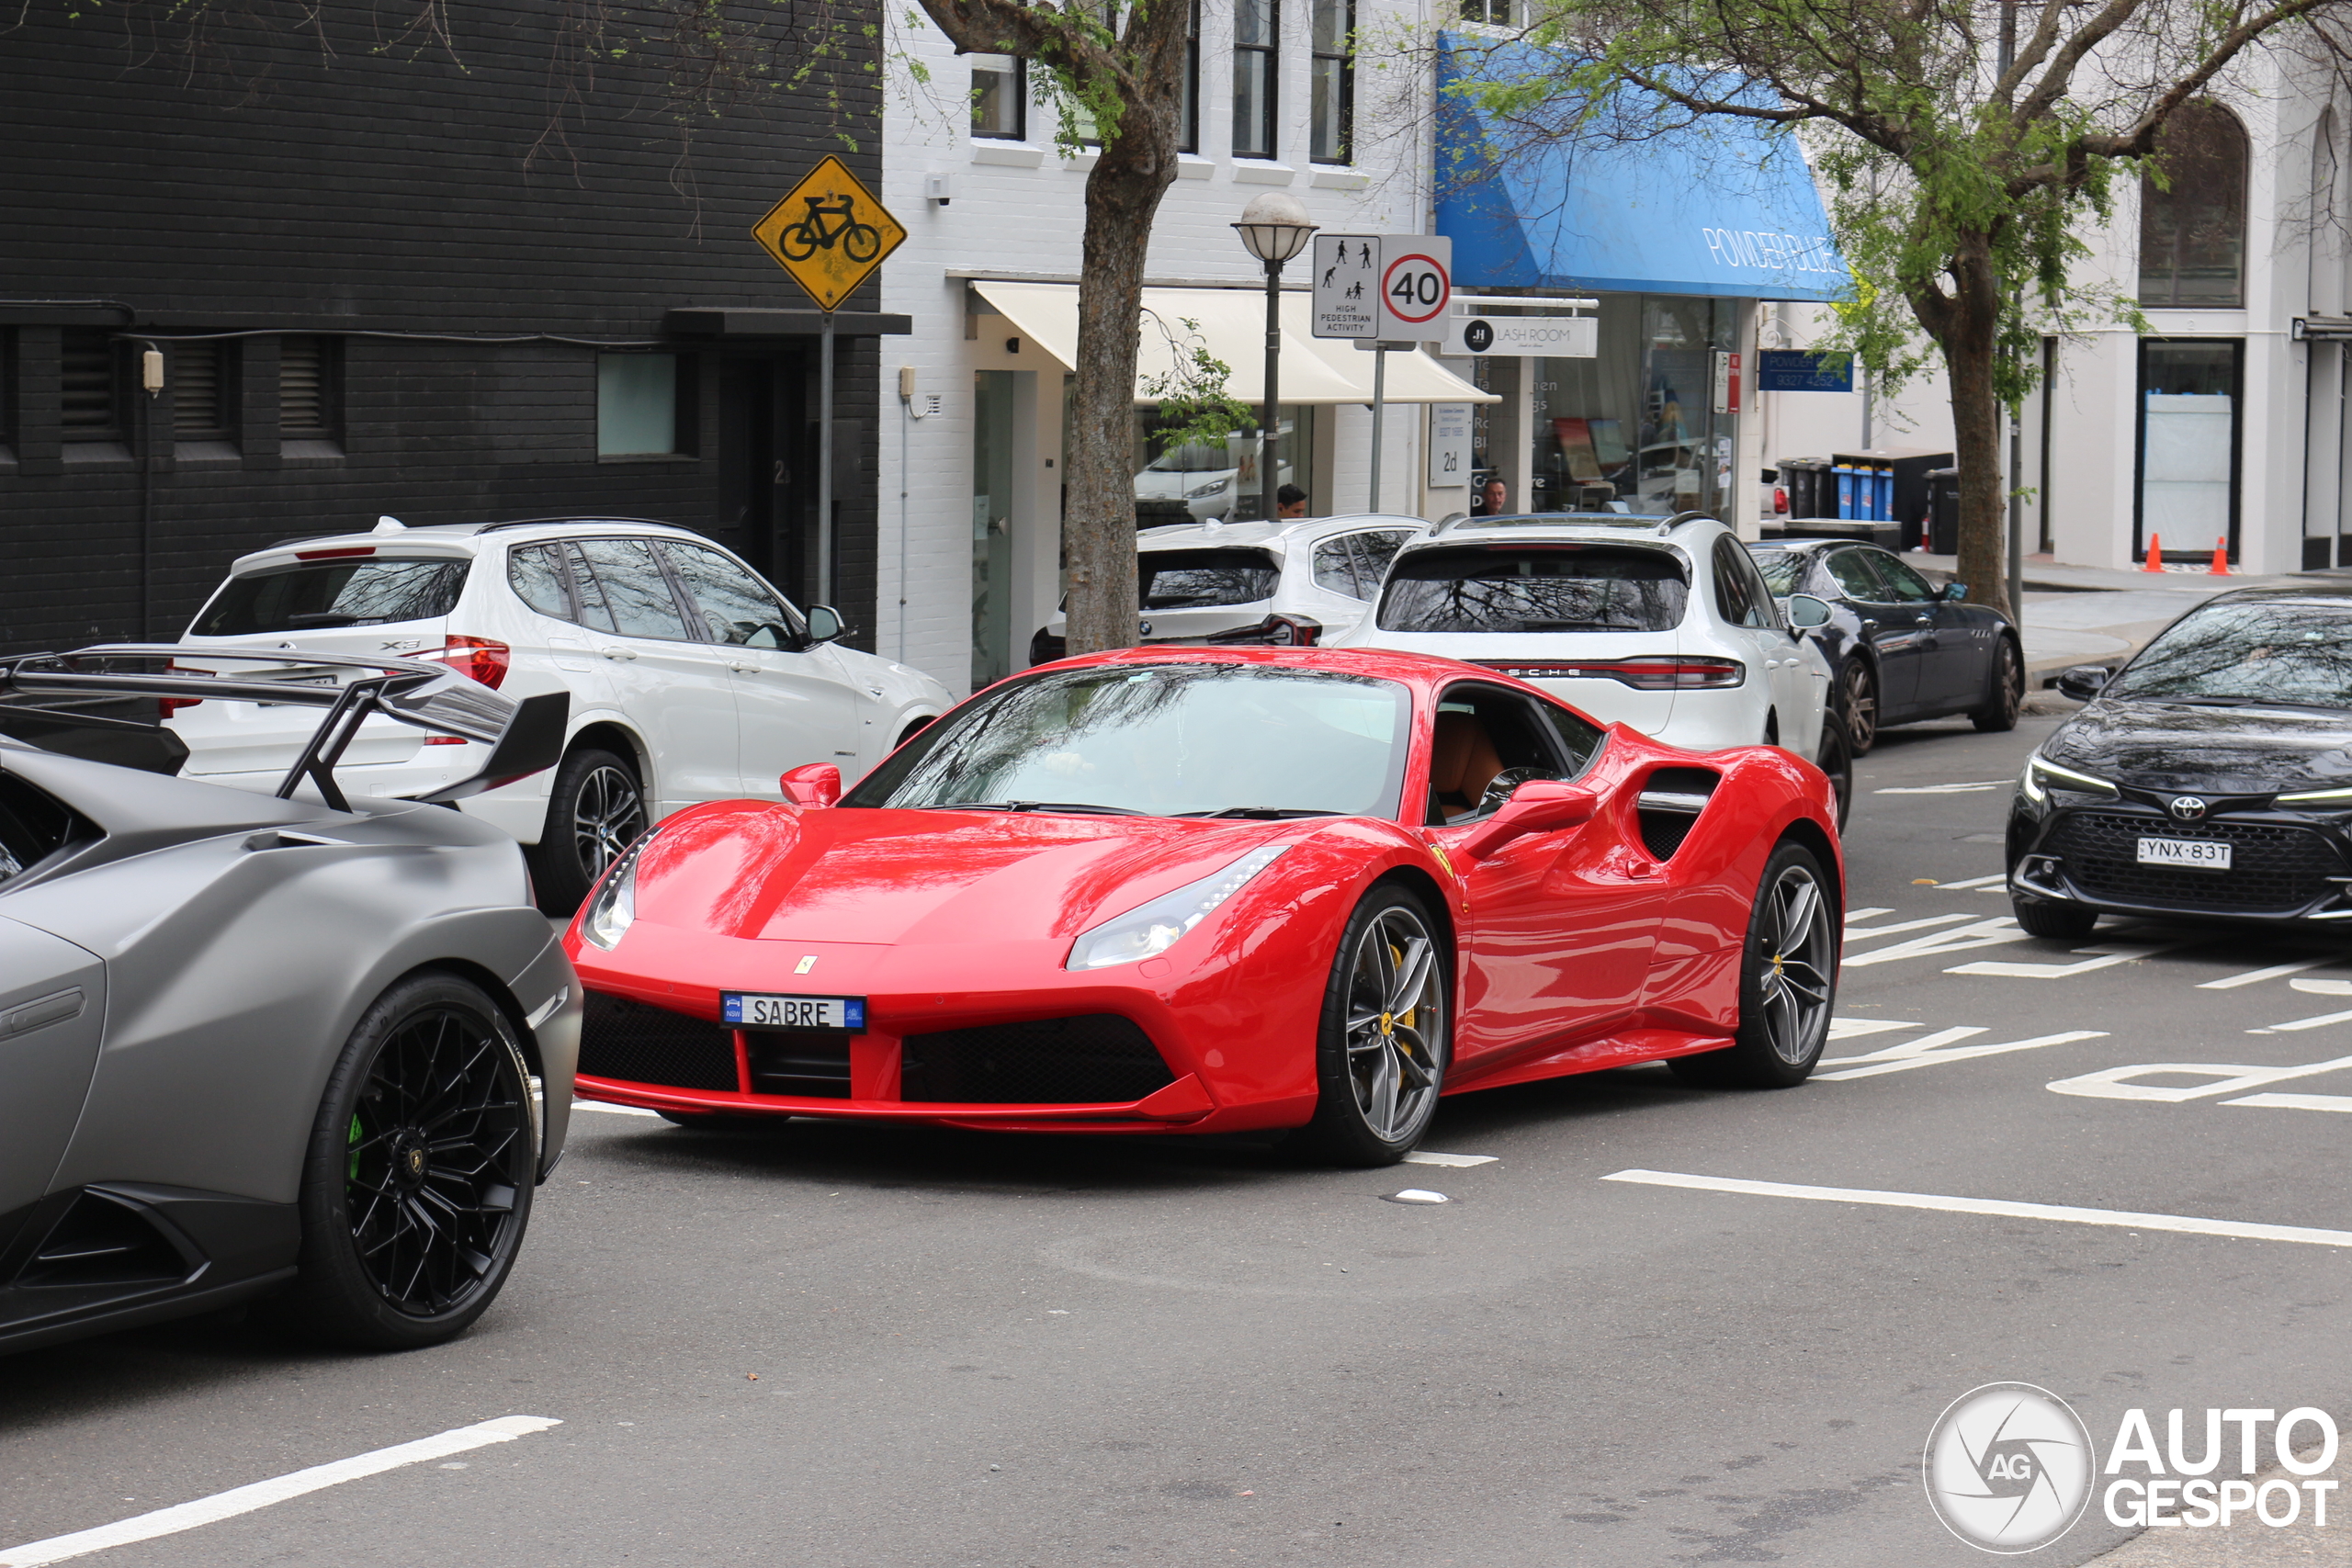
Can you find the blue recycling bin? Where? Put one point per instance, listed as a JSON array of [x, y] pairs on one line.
[[1845, 491]]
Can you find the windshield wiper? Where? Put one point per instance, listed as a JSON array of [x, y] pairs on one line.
[[1266, 813], [1085, 806]]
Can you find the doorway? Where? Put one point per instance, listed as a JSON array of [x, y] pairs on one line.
[[2190, 399], [767, 467], [993, 413]]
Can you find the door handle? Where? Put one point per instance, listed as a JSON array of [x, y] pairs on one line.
[[744, 668], [619, 652], [1926, 621], [1870, 625]]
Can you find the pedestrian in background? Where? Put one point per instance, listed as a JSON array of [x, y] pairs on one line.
[[1290, 502]]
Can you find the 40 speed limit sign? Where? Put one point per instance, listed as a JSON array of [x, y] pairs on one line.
[[1416, 285]]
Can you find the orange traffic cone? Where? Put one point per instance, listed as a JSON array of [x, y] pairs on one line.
[[2221, 558], [2155, 561]]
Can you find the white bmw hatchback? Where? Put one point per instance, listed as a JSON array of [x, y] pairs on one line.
[[1661, 623], [691, 679]]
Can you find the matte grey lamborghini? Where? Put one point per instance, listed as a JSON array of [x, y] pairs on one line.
[[254, 1047]]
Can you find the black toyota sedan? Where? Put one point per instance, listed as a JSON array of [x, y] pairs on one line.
[[2211, 777], [1899, 647]]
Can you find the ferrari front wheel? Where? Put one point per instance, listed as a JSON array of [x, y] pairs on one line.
[[416, 1186], [1381, 1052], [1788, 979]]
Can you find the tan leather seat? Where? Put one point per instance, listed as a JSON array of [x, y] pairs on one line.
[[1463, 763]]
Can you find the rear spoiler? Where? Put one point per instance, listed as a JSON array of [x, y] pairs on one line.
[[525, 735]]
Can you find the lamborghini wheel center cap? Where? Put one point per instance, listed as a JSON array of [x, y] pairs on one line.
[[410, 1160]]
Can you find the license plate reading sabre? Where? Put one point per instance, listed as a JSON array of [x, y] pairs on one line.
[[2197, 854], [754, 1010]]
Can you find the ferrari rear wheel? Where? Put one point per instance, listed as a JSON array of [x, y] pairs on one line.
[[1788, 980], [416, 1187], [1381, 1052]]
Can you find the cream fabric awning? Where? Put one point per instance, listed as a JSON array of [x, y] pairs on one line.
[[1231, 326]]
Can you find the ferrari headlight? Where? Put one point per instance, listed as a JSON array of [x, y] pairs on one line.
[[612, 908], [2041, 775], [1150, 930]]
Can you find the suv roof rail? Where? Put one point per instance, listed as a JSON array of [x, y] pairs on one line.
[[536, 522], [1625, 520]]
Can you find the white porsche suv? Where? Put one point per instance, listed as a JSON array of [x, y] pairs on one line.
[[691, 679], [1662, 624]]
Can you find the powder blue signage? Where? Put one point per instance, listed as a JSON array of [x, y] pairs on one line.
[[1803, 370]]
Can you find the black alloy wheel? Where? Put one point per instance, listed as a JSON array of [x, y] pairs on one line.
[[1837, 759], [2005, 687], [1385, 1037], [416, 1187], [1788, 980], [1858, 699], [595, 809]]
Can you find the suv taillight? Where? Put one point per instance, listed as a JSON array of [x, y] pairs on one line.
[[1647, 672], [476, 656], [166, 707], [1292, 631]]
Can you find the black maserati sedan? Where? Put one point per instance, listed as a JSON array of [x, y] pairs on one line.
[[1900, 648], [2210, 777]]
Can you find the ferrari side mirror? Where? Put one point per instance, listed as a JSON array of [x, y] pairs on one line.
[[1539, 805], [812, 783], [1806, 612], [2084, 681]]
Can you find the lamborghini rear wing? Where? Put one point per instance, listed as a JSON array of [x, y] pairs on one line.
[[525, 735]]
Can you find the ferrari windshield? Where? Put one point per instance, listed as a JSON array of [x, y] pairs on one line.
[[1161, 740], [2258, 651]]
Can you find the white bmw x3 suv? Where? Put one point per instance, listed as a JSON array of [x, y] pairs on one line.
[[691, 679], [1661, 623]]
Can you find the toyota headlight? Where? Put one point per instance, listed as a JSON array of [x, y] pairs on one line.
[[1150, 930], [2041, 775], [612, 908], [2326, 799]]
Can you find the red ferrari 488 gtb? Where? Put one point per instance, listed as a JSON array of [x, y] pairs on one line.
[[1210, 890]]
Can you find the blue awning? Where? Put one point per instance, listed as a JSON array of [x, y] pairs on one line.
[[1724, 208]]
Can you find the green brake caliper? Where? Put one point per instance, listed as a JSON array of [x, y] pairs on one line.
[[351, 1170]]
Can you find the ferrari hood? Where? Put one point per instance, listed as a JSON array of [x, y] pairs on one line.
[[856, 875], [2252, 750]]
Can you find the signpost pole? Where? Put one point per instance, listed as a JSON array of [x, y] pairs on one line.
[[824, 594], [1379, 392]]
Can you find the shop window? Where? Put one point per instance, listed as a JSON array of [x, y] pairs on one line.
[[90, 377], [309, 392], [1632, 429], [2190, 438], [204, 395], [1255, 23], [1000, 97], [637, 405], [1331, 97], [1497, 13], [1188, 128], [1203, 481], [2192, 235]]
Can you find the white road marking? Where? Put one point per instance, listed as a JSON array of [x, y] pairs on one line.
[[2115, 1083], [1997, 882], [2188, 1224], [2255, 976], [1903, 926], [2293, 1025], [1890, 1063], [1989, 932], [1909, 1047], [2297, 1101], [1426, 1156], [595, 1105], [1976, 788], [2322, 988], [2108, 954], [262, 1493], [1853, 915], [1854, 1028]]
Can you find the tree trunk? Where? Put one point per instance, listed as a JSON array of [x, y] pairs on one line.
[[1969, 335]]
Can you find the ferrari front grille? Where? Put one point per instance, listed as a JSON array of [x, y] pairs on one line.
[[807, 1062], [2273, 868], [637, 1044], [1096, 1059]]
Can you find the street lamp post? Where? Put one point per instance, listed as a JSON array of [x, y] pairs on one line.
[[1273, 228]]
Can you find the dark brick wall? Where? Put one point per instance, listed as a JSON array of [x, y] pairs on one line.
[[260, 174]]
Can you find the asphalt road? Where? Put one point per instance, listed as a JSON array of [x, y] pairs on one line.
[[853, 1345]]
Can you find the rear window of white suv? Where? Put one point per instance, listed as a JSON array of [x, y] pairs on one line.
[[1534, 588], [320, 595]]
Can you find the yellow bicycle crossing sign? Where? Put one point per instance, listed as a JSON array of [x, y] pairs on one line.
[[828, 232]]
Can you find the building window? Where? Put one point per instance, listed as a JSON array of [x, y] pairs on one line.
[[1331, 101], [1496, 13], [2192, 236], [637, 405], [1188, 128], [2190, 400], [1254, 25], [310, 389], [204, 386], [90, 377], [999, 96]]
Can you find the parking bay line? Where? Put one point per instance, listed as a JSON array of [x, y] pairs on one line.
[[1931, 1052], [2254, 976], [262, 1493], [2187, 1225], [2296, 1101]]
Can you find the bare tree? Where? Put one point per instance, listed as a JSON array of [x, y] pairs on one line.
[[1965, 145], [1126, 72]]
